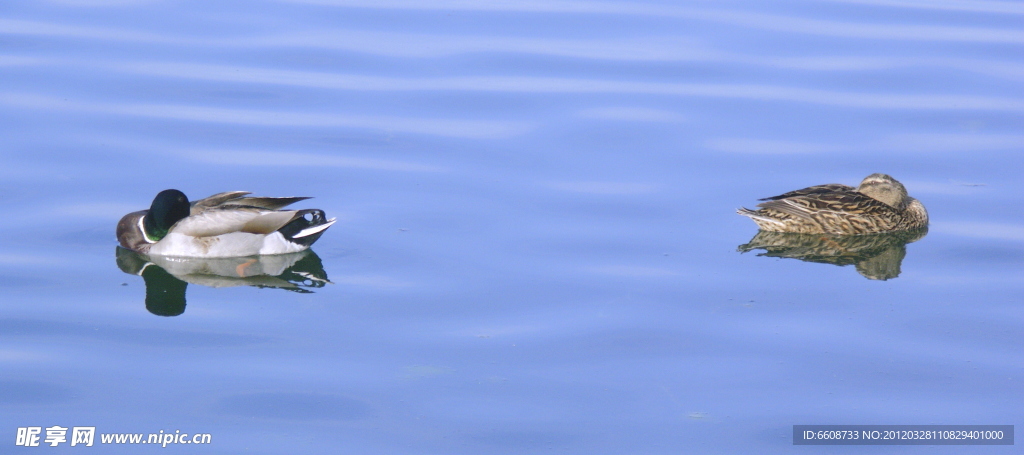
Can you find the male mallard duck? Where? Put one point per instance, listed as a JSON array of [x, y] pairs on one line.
[[223, 225], [879, 204]]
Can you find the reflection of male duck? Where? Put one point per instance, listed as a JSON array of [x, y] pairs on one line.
[[876, 256], [167, 277]]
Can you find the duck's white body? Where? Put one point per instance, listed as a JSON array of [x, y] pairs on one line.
[[224, 246]]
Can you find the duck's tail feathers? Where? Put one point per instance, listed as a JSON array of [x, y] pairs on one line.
[[307, 227], [751, 213], [763, 222]]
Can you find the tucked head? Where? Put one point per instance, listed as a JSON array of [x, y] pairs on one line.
[[168, 207], [882, 187]]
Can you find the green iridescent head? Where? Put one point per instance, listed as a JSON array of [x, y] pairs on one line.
[[168, 207]]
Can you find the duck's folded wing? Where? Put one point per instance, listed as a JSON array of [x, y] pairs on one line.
[[236, 219], [810, 205], [236, 198], [269, 203], [215, 200], [811, 190]]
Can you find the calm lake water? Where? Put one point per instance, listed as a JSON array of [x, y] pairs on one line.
[[536, 248]]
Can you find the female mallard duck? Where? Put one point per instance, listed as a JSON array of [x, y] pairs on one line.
[[879, 204], [223, 225]]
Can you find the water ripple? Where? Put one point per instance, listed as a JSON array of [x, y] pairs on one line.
[[432, 45], [771, 147], [251, 74], [570, 6], [300, 159], [49, 29], [986, 230], [408, 45], [632, 114], [976, 6], [916, 143], [762, 21], [506, 84], [475, 129], [603, 188]]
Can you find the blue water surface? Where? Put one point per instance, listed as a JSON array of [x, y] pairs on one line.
[[536, 246]]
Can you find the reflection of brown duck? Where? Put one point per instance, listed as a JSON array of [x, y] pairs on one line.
[[167, 278], [879, 204], [876, 256]]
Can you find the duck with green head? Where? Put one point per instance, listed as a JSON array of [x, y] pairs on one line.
[[879, 204], [228, 224]]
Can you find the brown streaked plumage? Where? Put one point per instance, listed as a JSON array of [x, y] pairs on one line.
[[879, 204]]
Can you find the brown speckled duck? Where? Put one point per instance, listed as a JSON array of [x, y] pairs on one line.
[[879, 204]]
